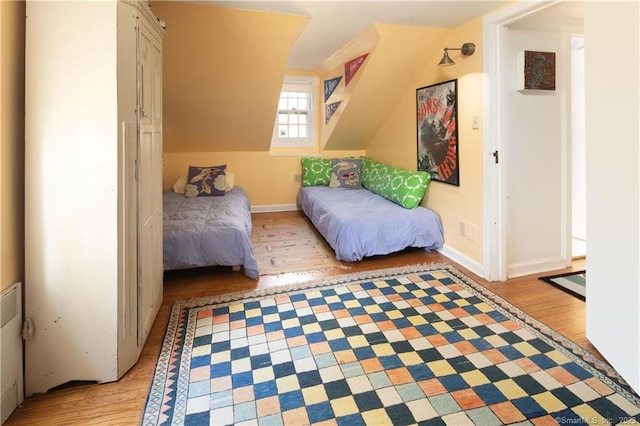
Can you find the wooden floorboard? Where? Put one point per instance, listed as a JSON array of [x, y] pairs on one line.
[[122, 402]]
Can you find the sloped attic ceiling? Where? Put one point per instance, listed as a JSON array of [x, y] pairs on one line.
[[222, 75], [334, 22], [224, 67]]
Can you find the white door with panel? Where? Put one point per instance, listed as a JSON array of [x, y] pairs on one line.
[[150, 177]]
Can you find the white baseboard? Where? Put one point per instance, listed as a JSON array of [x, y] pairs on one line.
[[274, 208], [535, 266], [463, 260]]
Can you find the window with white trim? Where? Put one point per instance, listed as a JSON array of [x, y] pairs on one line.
[[295, 124]]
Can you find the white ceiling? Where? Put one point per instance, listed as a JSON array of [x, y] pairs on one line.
[[550, 19], [334, 23]]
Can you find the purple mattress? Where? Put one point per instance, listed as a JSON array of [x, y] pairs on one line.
[[208, 231], [358, 223]]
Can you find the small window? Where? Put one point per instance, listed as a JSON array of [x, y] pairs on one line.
[[295, 124]]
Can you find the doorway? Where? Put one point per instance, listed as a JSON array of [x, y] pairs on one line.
[[529, 205]]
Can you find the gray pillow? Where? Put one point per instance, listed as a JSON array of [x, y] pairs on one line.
[[346, 173]]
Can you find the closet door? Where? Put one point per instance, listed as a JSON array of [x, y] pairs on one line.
[[72, 194], [149, 178], [127, 66]]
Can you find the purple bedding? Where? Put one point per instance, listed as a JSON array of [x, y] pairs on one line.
[[358, 223], [208, 231]]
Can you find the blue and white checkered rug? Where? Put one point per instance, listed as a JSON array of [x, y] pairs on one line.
[[415, 345]]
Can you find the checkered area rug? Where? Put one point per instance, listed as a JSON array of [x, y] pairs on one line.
[[416, 345]]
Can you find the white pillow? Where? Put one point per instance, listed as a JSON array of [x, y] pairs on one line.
[[230, 181], [181, 183]]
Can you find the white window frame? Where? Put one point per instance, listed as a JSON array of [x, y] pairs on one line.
[[301, 84]]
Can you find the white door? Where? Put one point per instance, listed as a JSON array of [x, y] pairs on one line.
[[149, 178]]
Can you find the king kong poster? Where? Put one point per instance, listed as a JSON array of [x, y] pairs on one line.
[[437, 126]]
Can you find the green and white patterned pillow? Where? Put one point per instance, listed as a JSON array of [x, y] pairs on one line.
[[316, 171], [403, 187]]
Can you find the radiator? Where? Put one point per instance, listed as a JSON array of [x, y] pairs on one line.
[[11, 377]]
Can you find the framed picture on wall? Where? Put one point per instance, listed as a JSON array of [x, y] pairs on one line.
[[437, 131]]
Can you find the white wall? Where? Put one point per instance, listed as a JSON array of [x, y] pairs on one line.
[[613, 183], [534, 146]]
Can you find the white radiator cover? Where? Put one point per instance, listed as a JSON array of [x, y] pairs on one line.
[[11, 377]]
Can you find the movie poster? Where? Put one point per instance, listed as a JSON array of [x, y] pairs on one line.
[[437, 125]]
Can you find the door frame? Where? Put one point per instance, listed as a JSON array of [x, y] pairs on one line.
[[494, 135]]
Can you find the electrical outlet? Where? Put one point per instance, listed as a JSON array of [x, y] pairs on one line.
[[472, 232], [462, 227], [297, 178]]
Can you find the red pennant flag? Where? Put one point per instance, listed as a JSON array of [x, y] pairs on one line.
[[352, 67]]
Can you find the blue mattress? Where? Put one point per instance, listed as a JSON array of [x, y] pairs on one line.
[[358, 223], [208, 231]]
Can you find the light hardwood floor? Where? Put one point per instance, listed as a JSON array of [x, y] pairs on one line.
[[122, 402]]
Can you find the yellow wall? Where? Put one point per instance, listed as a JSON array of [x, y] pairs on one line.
[[268, 179], [222, 75], [396, 142], [12, 25]]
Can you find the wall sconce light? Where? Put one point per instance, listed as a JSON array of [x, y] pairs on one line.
[[467, 50]]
